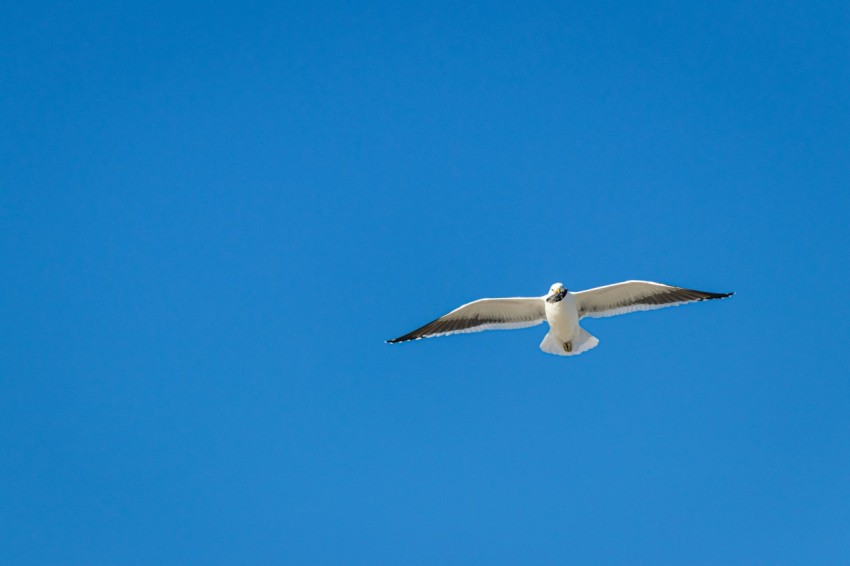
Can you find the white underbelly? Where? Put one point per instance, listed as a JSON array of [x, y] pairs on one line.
[[563, 318]]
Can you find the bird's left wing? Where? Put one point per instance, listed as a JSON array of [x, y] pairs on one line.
[[631, 296], [483, 314]]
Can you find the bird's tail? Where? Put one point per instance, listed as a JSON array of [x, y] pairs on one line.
[[583, 342]]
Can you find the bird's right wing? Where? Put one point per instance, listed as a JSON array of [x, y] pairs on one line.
[[483, 314]]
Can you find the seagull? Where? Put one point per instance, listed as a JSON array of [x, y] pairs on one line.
[[563, 310]]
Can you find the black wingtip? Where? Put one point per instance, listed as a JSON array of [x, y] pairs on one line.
[[712, 296], [406, 338]]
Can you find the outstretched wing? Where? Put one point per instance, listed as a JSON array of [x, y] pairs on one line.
[[483, 314], [631, 296]]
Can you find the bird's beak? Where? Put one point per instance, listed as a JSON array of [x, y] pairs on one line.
[[557, 296]]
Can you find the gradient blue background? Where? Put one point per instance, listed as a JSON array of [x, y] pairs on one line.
[[212, 217]]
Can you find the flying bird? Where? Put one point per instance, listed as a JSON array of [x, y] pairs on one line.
[[563, 310]]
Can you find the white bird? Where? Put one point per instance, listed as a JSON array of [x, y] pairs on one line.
[[562, 310]]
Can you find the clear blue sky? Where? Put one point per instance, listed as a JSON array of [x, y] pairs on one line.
[[212, 217]]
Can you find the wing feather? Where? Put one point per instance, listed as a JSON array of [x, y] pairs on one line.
[[483, 314], [631, 296]]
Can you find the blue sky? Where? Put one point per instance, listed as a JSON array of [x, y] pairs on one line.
[[212, 217]]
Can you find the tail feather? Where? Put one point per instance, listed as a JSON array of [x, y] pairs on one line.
[[583, 342]]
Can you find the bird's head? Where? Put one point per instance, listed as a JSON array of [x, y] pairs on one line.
[[556, 293]]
